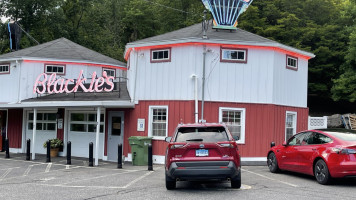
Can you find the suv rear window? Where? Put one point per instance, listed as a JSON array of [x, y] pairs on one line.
[[201, 134]]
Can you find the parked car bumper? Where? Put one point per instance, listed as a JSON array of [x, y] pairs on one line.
[[343, 169], [210, 170]]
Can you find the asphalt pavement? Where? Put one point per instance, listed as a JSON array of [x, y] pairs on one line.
[[20, 179]]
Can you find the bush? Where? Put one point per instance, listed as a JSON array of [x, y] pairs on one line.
[[55, 143]]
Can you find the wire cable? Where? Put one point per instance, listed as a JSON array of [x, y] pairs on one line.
[[27, 33], [172, 8]]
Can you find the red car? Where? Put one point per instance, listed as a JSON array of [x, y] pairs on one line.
[[202, 152], [324, 154]]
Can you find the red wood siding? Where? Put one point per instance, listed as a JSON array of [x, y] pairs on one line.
[[14, 130], [264, 123]]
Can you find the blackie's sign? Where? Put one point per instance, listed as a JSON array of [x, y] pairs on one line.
[[50, 84]]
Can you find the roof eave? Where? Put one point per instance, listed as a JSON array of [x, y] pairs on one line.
[[58, 60], [215, 41]]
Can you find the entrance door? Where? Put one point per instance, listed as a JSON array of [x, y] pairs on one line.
[[3, 115], [115, 133]]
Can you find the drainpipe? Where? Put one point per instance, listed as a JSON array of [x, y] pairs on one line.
[[34, 127], [203, 85], [196, 114], [97, 136]]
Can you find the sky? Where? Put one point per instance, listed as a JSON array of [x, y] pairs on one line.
[[3, 19]]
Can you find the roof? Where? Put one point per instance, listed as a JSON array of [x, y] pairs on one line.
[[64, 50], [195, 33]]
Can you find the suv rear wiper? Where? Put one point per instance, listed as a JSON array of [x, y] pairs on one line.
[[195, 140]]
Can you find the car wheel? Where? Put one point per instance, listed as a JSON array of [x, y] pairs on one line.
[[321, 172], [272, 163], [170, 183], [236, 182]]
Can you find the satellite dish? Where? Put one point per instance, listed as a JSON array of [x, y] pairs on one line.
[[226, 12]]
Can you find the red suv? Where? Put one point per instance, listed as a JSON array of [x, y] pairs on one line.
[[202, 152]]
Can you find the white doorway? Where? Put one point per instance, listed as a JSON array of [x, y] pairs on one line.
[[115, 133]]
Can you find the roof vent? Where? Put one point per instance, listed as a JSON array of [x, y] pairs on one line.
[[205, 25]]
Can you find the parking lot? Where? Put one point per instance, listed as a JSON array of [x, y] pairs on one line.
[[20, 179]]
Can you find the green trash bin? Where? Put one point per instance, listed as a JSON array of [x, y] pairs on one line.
[[139, 149]]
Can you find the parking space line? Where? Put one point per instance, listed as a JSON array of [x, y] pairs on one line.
[[48, 167], [6, 173], [138, 179], [27, 170], [272, 179]]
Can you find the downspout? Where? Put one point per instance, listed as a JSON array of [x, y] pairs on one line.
[[203, 85], [19, 90], [196, 114], [34, 128], [97, 136]]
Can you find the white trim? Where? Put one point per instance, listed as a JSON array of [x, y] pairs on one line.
[[15, 150], [55, 65], [156, 159], [106, 104], [294, 123], [8, 69], [61, 60], [150, 115], [214, 41], [243, 119], [162, 59], [296, 62], [237, 50], [253, 158]]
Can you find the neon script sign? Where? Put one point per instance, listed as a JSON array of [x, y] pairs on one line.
[[50, 84]]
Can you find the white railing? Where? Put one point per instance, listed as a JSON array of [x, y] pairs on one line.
[[317, 122]]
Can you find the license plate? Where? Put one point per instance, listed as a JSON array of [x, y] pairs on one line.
[[201, 152]]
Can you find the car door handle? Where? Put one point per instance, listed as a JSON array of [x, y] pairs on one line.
[[314, 149]]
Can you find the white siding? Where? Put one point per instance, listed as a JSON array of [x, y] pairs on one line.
[[9, 84], [26, 73], [228, 82], [290, 86]]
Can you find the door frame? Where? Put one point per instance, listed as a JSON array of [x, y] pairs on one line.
[[110, 115]]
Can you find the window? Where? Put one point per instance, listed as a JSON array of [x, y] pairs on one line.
[[233, 55], [4, 68], [58, 69], [234, 118], [161, 55], [110, 72], [299, 139], [292, 62], [206, 134], [85, 122], [158, 121], [44, 121], [291, 124]]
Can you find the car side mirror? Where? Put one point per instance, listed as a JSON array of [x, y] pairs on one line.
[[236, 137], [273, 144], [284, 143], [168, 139]]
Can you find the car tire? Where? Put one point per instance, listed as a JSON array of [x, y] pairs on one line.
[[321, 172], [272, 163], [170, 183], [236, 182]]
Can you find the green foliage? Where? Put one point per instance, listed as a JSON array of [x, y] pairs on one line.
[[55, 143]]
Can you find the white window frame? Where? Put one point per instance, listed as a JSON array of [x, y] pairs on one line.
[[243, 119], [85, 122], [223, 50], [294, 123], [58, 73], [2, 67], [111, 70], [41, 121], [163, 59], [150, 121], [291, 66]]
